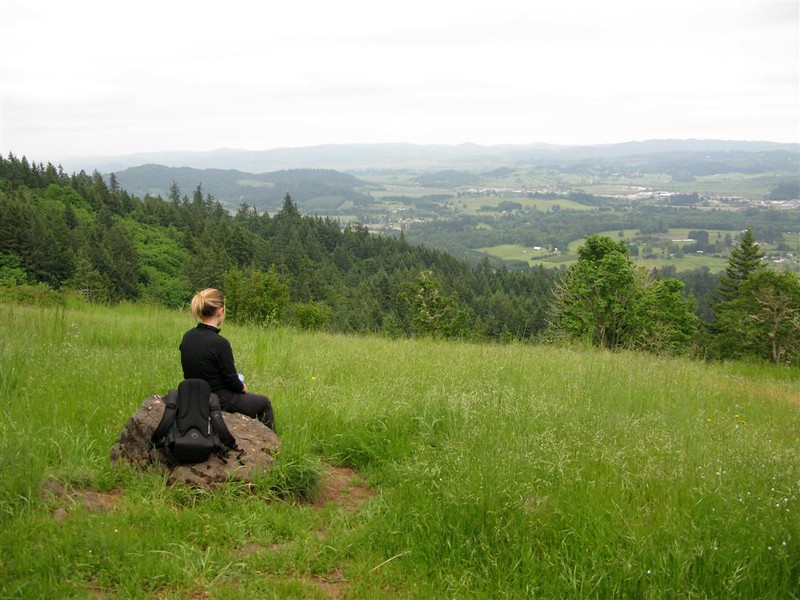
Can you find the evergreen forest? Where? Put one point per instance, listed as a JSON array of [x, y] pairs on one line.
[[82, 233], [85, 235]]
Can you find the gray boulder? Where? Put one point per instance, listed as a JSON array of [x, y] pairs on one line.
[[257, 443]]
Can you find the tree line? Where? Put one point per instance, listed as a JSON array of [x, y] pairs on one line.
[[530, 226], [80, 232], [87, 235], [606, 300]]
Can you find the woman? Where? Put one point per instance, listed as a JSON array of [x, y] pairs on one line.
[[205, 354]]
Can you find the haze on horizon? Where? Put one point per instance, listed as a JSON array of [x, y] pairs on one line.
[[79, 79]]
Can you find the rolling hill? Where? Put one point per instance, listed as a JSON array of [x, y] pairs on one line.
[[317, 191]]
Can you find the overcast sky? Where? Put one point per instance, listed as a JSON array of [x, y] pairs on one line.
[[102, 78]]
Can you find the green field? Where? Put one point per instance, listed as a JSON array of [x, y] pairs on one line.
[[516, 252], [472, 204], [750, 186], [475, 471], [399, 184], [469, 205], [677, 236], [544, 256]]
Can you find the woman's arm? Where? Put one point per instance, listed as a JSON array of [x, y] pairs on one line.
[[230, 376]]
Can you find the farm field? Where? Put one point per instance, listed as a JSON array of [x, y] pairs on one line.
[[498, 220], [463, 470], [473, 205], [677, 237], [733, 185], [517, 252], [546, 258]]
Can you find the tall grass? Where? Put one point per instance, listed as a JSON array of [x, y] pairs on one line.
[[503, 471]]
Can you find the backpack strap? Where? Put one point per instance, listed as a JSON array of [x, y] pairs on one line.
[[167, 419], [218, 423]]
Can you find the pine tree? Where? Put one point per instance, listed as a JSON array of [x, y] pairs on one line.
[[744, 260], [174, 193], [743, 263]]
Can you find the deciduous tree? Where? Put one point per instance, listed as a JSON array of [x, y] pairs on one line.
[[597, 297], [607, 301], [433, 311], [256, 296], [763, 320]]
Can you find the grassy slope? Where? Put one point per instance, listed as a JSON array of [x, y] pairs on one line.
[[503, 471]]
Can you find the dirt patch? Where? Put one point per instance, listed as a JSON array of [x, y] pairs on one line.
[[333, 584], [90, 500], [344, 487], [341, 486]]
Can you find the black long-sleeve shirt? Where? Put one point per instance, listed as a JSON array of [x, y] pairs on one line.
[[205, 354]]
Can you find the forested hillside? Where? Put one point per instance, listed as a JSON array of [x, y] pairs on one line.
[[80, 232], [316, 191]]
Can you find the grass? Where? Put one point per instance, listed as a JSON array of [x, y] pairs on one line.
[[686, 262], [752, 186], [515, 252], [545, 257], [500, 471], [473, 204]]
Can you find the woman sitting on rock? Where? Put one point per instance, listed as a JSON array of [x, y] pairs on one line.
[[206, 355]]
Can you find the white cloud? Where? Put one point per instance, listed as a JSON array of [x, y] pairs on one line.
[[87, 77]]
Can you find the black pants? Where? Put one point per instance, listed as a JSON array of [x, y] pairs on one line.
[[253, 405]]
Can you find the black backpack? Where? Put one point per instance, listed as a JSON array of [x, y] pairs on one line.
[[192, 426]]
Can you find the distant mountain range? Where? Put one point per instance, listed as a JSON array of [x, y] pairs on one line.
[[372, 157], [323, 179]]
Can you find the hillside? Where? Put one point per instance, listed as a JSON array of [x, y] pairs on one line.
[[482, 471], [79, 233], [521, 199], [316, 191], [353, 157], [82, 235]]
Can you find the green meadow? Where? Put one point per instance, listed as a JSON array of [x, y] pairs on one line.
[[735, 185], [545, 257], [482, 471], [516, 252], [476, 205]]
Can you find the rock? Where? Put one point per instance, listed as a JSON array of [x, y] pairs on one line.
[[257, 443]]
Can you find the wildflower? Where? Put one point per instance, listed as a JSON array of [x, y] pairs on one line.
[[313, 378]]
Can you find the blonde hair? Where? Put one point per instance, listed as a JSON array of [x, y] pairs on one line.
[[206, 302]]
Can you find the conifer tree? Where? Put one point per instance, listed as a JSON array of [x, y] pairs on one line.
[[744, 262], [174, 193], [745, 259]]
